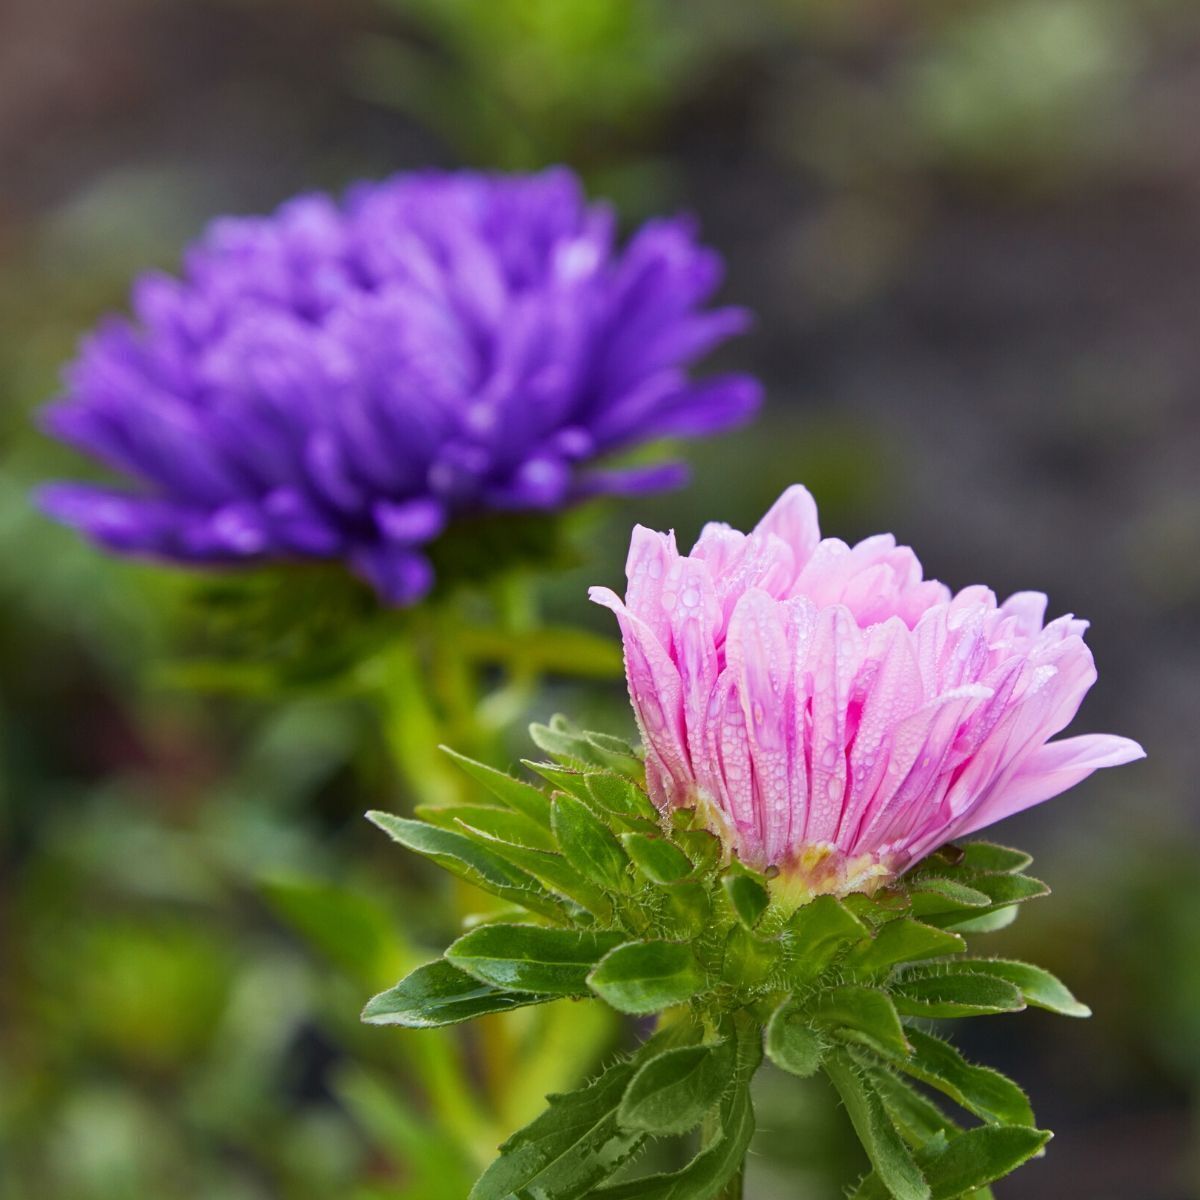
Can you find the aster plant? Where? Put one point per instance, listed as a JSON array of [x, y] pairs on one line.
[[779, 870], [354, 379]]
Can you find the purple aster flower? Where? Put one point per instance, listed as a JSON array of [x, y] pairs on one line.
[[342, 380]]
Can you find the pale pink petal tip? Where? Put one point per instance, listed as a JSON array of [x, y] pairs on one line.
[[836, 714]]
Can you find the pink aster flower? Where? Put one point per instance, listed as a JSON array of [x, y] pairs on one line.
[[835, 715]]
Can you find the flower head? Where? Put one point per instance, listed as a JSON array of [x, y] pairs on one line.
[[341, 380], [837, 716]]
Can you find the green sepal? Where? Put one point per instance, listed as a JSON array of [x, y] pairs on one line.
[[571, 1148], [748, 960], [747, 896], [792, 1041], [816, 934], [620, 794], [572, 780], [893, 1161], [1001, 890], [972, 857], [861, 1014], [901, 941], [588, 844], [938, 894], [671, 1092], [659, 860], [953, 990], [521, 797], [646, 977], [532, 958], [563, 742], [1038, 986], [440, 994], [463, 856], [689, 909], [991, 921], [700, 845], [981, 1090]]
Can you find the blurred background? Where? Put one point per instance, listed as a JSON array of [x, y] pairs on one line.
[[972, 236]]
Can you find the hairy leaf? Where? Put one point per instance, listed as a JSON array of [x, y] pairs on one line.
[[646, 977], [900, 941], [865, 1014], [441, 994], [521, 797], [531, 958], [891, 1158], [792, 1042], [462, 856], [659, 860], [571, 1148], [1038, 986], [588, 844], [944, 991], [671, 1092], [980, 1090]]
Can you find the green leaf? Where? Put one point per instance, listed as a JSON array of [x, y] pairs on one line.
[[916, 1117], [616, 754], [646, 977], [965, 1164], [980, 1156], [792, 1043], [934, 894], [994, 859], [689, 910], [531, 958], [563, 742], [569, 1149], [702, 847], [502, 824], [722, 1156], [891, 1158], [519, 796], [705, 1177], [620, 795], [816, 934], [659, 860], [1010, 889], [866, 1014], [747, 897], [571, 780], [671, 1092], [941, 991], [748, 959], [554, 872], [462, 856], [900, 941], [440, 994], [588, 844], [990, 922], [1038, 986], [980, 1090]]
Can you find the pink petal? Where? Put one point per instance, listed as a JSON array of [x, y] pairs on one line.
[[759, 663], [793, 520], [1051, 770]]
